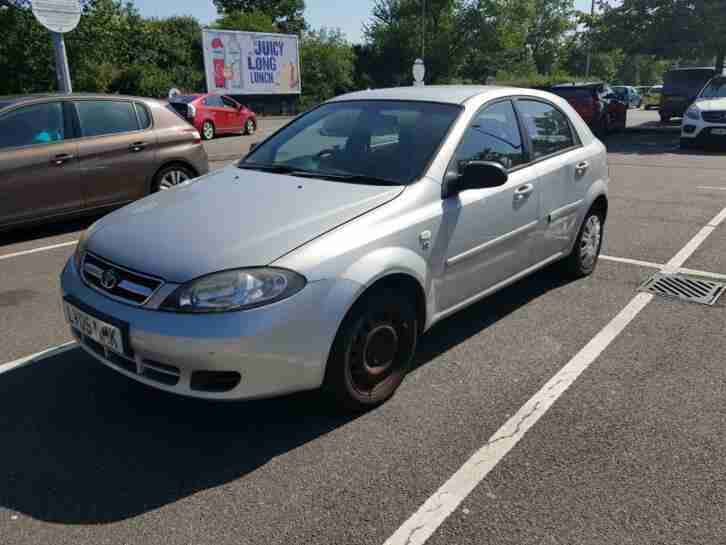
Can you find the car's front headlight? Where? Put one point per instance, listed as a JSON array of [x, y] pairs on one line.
[[239, 289], [693, 113]]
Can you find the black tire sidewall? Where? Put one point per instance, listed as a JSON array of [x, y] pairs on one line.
[[253, 129], [574, 262]]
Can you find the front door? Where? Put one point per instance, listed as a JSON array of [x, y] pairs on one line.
[[39, 174], [117, 155], [490, 230]]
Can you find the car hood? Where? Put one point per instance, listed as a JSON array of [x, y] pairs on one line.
[[228, 219], [711, 104]]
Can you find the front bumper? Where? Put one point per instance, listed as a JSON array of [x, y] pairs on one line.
[[701, 132], [276, 349]]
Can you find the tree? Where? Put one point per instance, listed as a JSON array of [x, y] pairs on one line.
[[288, 15], [551, 21], [327, 65], [252, 21], [665, 28]]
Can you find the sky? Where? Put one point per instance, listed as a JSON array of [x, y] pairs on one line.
[[319, 13]]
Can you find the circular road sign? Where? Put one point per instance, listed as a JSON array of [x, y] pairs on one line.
[[57, 15]]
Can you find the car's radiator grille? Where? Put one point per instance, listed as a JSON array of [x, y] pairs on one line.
[[714, 117], [117, 282]]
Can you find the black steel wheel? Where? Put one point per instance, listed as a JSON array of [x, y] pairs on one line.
[[372, 351]]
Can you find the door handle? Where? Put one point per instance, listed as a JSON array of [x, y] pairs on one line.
[[137, 146], [581, 168], [61, 158], [522, 191]]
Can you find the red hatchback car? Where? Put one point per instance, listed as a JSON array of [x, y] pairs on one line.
[[215, 114], [597, 104]]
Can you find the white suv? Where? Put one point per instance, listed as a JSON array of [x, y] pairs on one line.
[[705, 121]]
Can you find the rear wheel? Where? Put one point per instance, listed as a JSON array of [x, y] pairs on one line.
[[208, 130], [665, 118], [171, 176], [250, 126], [583, 259], [372, 351]]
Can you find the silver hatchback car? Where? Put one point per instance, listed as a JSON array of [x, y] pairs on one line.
[[321, 257]]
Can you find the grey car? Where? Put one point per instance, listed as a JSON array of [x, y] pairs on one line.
[[63, 155], [321, 257]]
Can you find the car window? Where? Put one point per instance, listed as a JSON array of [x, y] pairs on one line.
[[492, 136], [548, 128], [229, 103], [100, 117], [214, 101], [144, 115], [392, 140], [32, 125]]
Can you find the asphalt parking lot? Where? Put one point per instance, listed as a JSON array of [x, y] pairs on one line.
[[553, 412]]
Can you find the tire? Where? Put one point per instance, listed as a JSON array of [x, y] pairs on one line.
[[208, 130], [250, 127], [170, 176], [664, 118], [584, 256], [603, 126], [372, 351]]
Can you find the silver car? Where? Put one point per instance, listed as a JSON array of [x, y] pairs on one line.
[[321, 257]]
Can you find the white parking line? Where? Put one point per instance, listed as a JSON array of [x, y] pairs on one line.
[[36, 250], [424, 522], [651, 265], [34, 358], [712, 187]]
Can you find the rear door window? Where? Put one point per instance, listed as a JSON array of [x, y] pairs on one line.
[[214, 101], [32, 125], [102, 117], [548, 128]]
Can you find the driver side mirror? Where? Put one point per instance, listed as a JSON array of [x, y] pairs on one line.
[[475, 175]]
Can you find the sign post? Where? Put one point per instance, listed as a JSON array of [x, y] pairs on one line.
[[59, 16], [419, 72]]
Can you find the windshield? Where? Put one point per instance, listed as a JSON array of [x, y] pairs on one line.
[[366, 141], [716, 88], [686, 82]]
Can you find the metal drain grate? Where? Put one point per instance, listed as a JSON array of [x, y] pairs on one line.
[[704, 292]]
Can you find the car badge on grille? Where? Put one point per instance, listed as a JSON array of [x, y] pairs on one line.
[[109, 279]]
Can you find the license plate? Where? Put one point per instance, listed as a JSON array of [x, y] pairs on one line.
[[104, 334], [718, 132]]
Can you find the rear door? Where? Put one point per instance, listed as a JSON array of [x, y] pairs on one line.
[[39, 172], [562, 171], [233, 114], [117, 150], [219, 112]]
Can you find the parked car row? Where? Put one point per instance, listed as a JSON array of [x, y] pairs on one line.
[[597, 104]]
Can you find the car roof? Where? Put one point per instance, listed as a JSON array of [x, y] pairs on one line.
[[447, 94], [12, 100]]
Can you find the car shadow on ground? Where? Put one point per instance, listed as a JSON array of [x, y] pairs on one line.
[[81, 444], [648, 144], [46, 230]]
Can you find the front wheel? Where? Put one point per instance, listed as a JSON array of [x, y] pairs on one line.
[[250, 127], [372, 351], [665, 118], [583, 259]]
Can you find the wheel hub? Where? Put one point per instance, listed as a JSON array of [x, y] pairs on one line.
[[380, 349]]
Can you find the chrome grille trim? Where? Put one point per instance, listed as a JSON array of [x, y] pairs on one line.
[[130, 289]]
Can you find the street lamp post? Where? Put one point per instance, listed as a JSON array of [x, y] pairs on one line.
[[589, 43]]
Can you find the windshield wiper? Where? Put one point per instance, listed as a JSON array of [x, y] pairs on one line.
[[281, 168]]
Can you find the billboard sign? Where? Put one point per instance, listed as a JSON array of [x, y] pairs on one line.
[[251, 63]]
